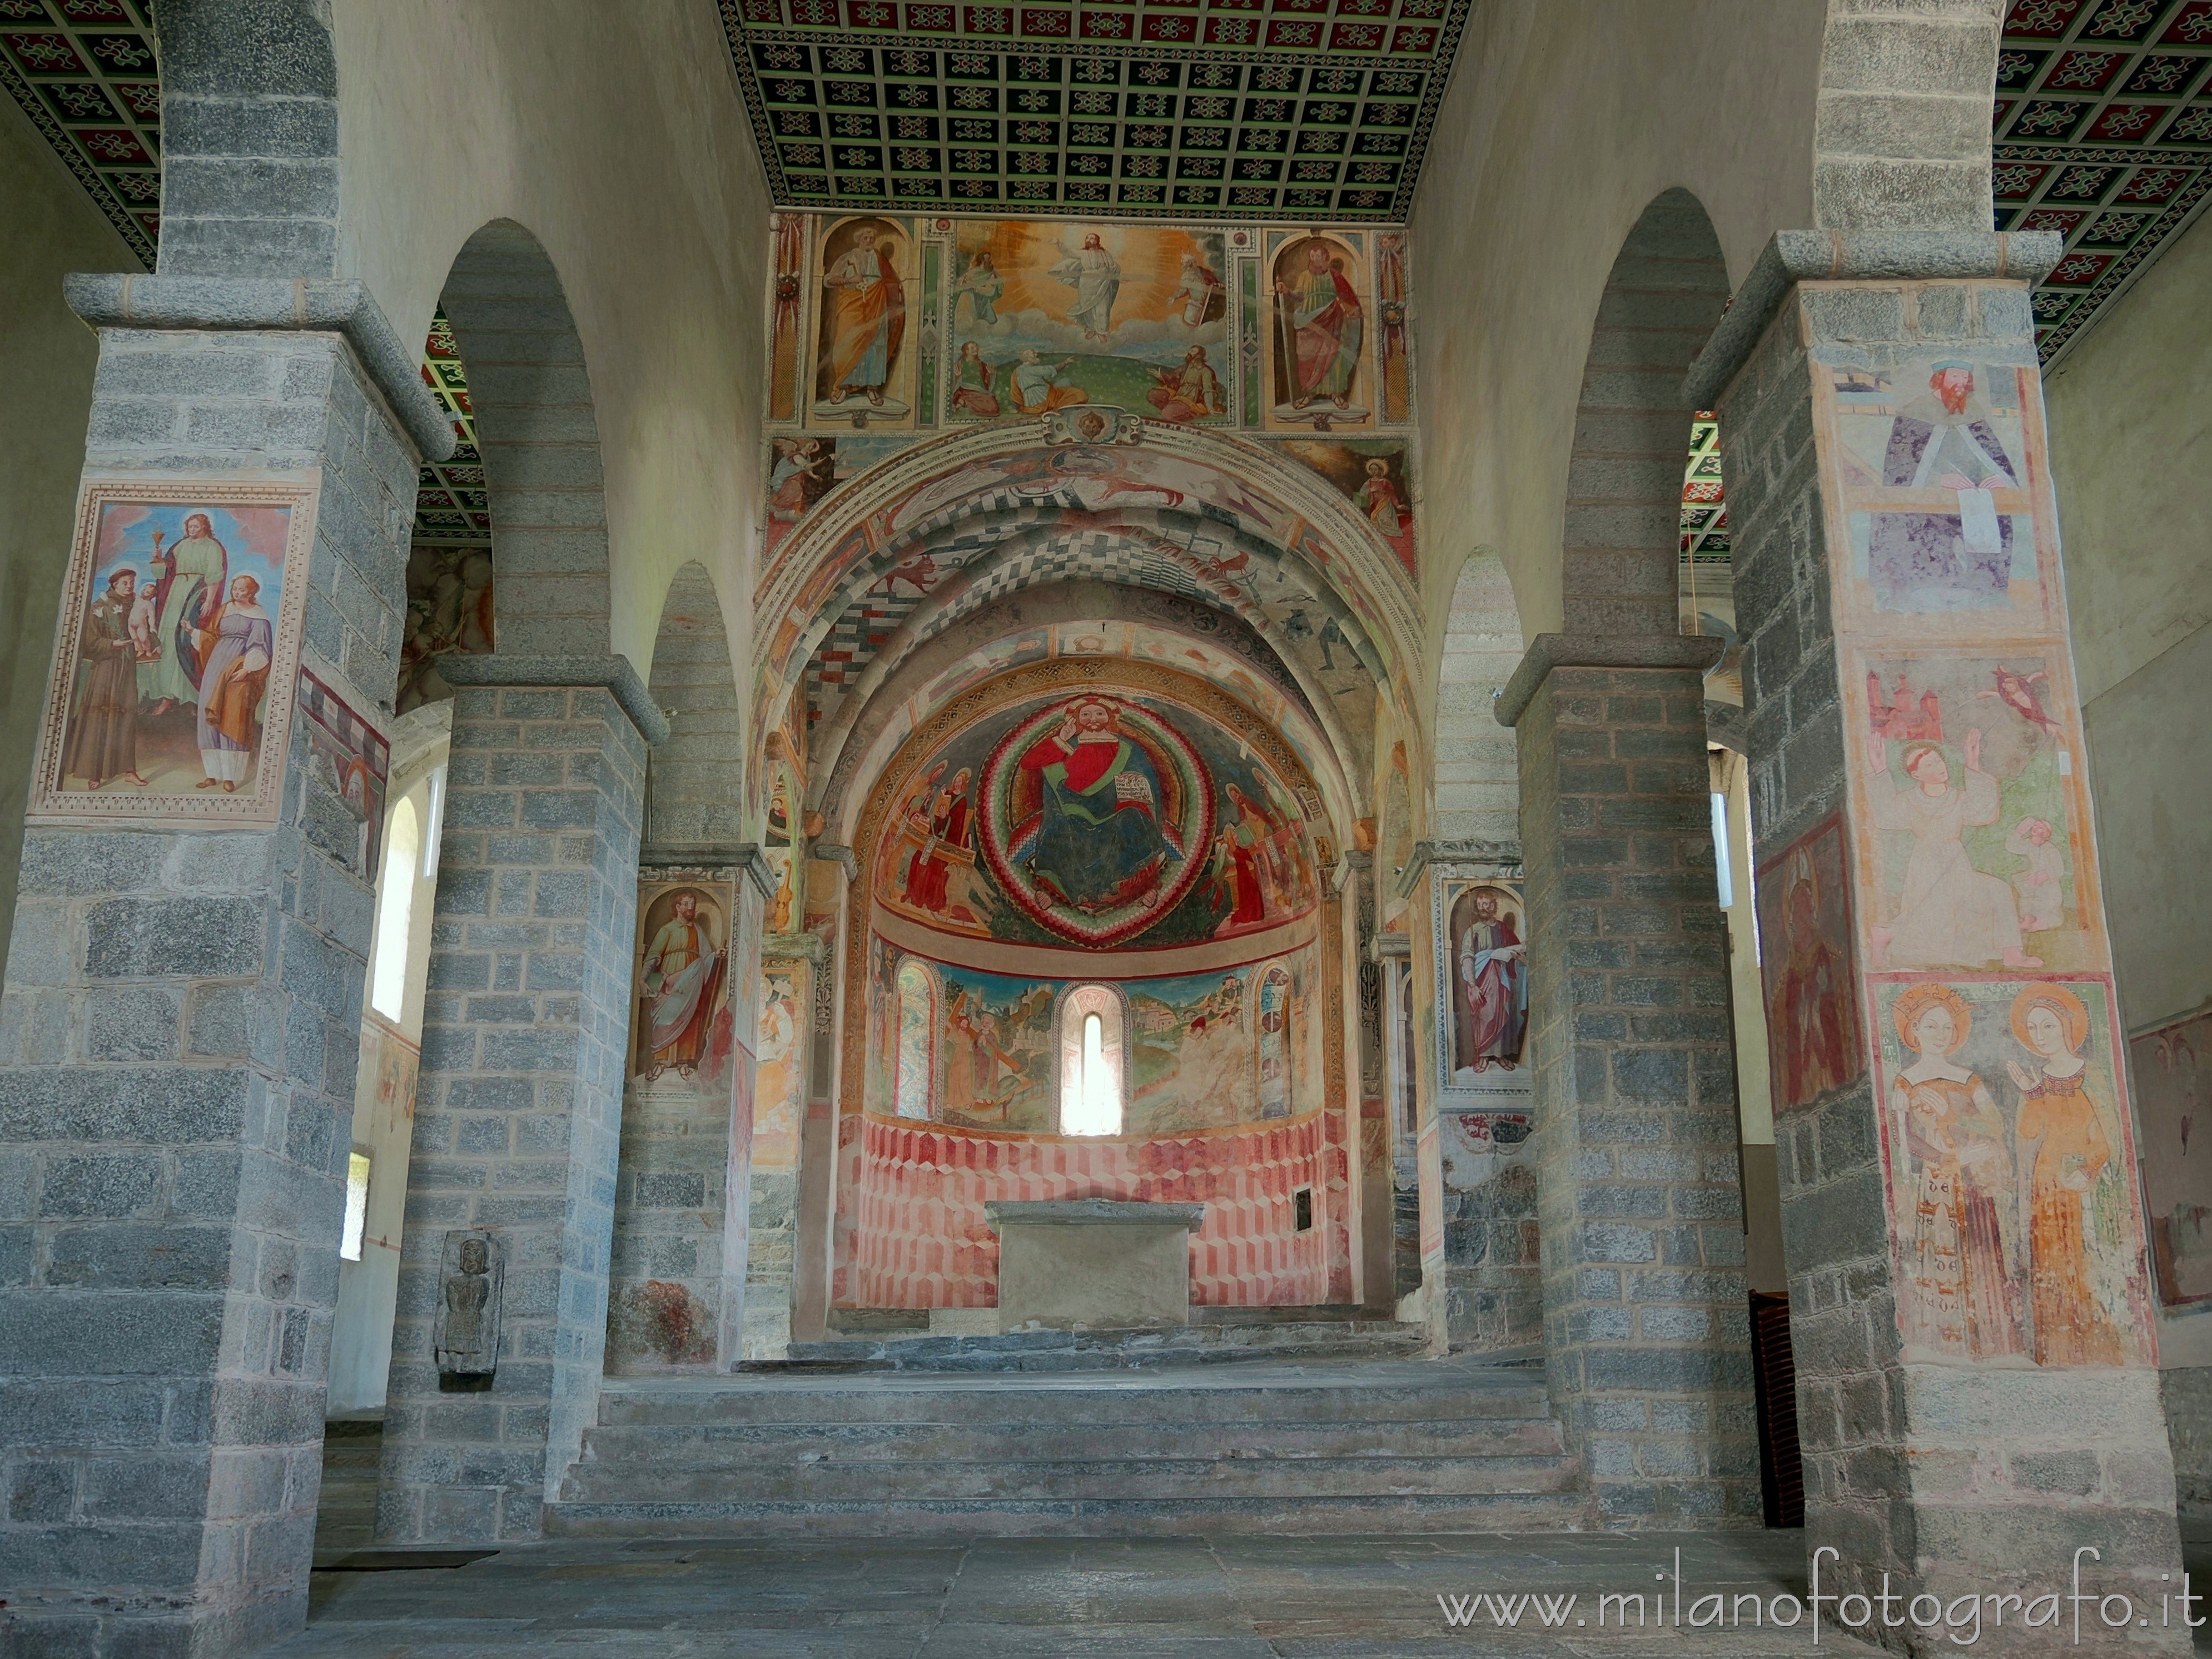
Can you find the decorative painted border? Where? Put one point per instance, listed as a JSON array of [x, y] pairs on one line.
[[49, 802]]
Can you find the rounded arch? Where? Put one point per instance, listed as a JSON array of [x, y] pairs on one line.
[[903, 686], [1202, 500], [1476, 786], [695, 781], [1620, 531], [538, 431]]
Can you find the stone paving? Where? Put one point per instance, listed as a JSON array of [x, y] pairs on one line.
[[1175, 1598]]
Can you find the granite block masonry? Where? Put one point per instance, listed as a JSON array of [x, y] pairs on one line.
[[1973, 1411], [519, 1108], [1646, 1315], [177, 1043]]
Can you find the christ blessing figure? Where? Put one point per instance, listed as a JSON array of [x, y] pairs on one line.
[[1098, 843]]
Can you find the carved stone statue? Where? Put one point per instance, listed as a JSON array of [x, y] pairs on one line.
[[472, 1270]]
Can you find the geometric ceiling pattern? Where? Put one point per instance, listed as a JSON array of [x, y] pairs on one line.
[[450, 504], [84, 71], [1115, 109], [2103, 132], [1704, 515]]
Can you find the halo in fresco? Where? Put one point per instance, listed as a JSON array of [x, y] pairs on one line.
[[1097, 815]]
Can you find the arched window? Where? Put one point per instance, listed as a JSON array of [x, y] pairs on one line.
[[913, 1081], [1090, 1061], [395, 909], [1273, 1029]]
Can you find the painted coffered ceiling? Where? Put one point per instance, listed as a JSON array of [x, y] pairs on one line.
[[84, 71], [1131, 109], [2103, 132]]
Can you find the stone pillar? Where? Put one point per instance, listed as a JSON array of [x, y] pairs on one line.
[[677, 1293], [831, 874], [179, 1030], [517, 1127], [1978, 1391], [1646, 1321], [779, 1119]]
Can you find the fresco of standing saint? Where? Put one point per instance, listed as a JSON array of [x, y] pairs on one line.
[[1320, 326], [1490, 984], [680, 977], [860, 363], [1811, 1031]]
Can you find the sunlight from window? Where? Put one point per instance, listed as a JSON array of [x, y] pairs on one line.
[[1091, 1080], [395, 905], [356, 1209]]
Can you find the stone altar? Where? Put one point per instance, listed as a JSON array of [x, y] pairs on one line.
[[1093, 1262]]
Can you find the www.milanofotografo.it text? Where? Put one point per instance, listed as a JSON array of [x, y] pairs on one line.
[[1960, 1619]]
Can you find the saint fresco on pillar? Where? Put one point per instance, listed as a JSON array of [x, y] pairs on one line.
[[682, 1033], [1490, 980], [1934, 458], [2013, 1201], [173, 691], [1972, 792], [1804, 920]]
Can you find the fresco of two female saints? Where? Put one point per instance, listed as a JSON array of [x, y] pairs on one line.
[[174, 651], [2014, 1222]]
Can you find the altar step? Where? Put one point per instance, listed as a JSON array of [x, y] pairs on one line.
[[1434, 1446], [1213, 1343]]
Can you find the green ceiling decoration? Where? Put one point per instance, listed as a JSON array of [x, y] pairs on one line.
[[450, 504], [1131, 109], [84, 71], [2103, 133]]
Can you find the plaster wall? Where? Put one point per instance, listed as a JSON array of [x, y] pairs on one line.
[[617, 137], [2130, 438], [2130, 442], [48, 356], [1563, 123]]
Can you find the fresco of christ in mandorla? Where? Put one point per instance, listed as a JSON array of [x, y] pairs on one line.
[[1098, 814], [1097, 842]]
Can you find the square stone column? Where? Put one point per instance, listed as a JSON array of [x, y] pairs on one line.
[[1646, 1318], [518, 1120], [1977, 1390], [179, 1036]]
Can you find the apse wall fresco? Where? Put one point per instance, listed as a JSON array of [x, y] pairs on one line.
[[1110, 815], [889, 328], [1205, 1051]]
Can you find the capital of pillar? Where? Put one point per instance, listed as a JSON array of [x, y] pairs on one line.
[[1970, 1310]]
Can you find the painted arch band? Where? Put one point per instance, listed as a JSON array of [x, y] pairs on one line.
[[1096, 817]]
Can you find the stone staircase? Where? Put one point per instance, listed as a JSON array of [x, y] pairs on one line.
[[1379, 1445], [1213, 1342]]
